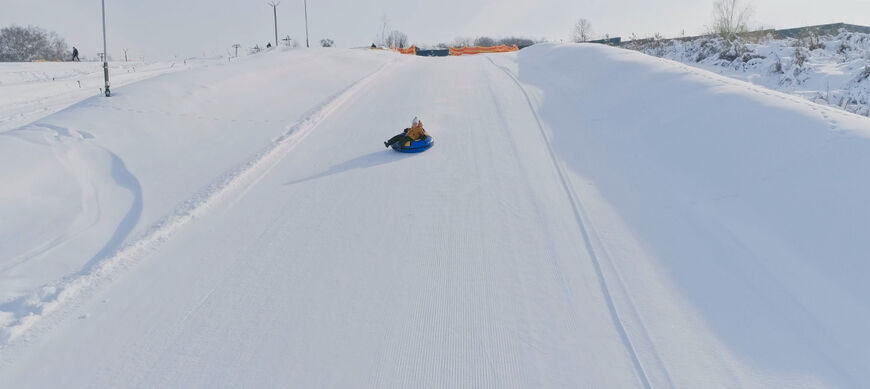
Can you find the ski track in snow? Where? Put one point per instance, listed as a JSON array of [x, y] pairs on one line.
[[61, 296], [588, 233]]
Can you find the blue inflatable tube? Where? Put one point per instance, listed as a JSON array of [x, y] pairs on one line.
[[417, 146]]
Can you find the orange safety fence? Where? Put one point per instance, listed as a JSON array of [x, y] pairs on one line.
[[466, 50], [411, 50], [480, 50]]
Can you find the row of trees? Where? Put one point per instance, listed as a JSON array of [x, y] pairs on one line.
[[730, 19], [17, 44], [485, 41], [25, 44], [388, 37]]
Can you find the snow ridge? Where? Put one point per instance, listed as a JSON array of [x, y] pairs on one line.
[[577, 207], [60, 295]]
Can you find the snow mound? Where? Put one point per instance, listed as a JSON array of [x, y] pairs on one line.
[[750, 203], [830, 70]]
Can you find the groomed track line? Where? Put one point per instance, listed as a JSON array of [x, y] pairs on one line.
[[576, 208]]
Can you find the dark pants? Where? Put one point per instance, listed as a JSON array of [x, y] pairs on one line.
[[401, 138]]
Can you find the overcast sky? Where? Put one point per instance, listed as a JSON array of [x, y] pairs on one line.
[[157, 29]]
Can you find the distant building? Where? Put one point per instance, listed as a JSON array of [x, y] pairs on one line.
[[433, 52], [609, 41]]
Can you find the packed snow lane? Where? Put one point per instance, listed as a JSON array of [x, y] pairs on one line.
[[588, 217], [351, 265], [727, 217]]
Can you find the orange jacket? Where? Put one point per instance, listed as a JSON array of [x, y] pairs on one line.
[[416, 132]]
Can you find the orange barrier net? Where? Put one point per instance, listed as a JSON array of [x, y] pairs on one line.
[[411, 50], [466, 50], [480, 50]]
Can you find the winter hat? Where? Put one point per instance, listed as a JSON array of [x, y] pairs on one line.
[[415, 122]]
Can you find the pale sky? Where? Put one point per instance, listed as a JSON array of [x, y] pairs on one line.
[[162, 29]]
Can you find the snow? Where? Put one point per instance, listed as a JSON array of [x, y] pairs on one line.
[[30, 91], [36, 254], [590, 217], [829, 70]]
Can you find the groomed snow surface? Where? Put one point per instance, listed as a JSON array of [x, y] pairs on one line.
[[589, 217]]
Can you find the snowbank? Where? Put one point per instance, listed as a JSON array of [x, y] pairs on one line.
[[750, 204]]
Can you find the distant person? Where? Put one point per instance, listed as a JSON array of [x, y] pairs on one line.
[[269, 45], [75, 57], [374, 46], [416, 132]]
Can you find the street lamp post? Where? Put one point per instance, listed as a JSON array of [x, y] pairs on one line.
[[306, 23], [105, 53], [275, 15]]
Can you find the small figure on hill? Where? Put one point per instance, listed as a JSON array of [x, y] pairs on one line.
[[269, 45], [416, 132], [75, 56], [374, 46]]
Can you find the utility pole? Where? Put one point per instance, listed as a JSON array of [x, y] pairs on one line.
[[105, 53], [125, 56], [275, 14], [236, 46], [306, 23]]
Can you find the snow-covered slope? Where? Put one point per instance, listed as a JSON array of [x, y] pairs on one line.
[[80, 182], [589, 217], [829, 70], [30, 91]]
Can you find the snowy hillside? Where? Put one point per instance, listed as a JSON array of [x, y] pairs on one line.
[[589, 217], [830, 70], [29, 91]]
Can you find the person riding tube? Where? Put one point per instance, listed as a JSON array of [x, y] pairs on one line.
[[408, 135]]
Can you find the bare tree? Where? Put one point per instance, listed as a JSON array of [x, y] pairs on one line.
[[520, 42], [730, 17], [462, 42], [384, 32], [396, 39], [484, 41], [582, 31]]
